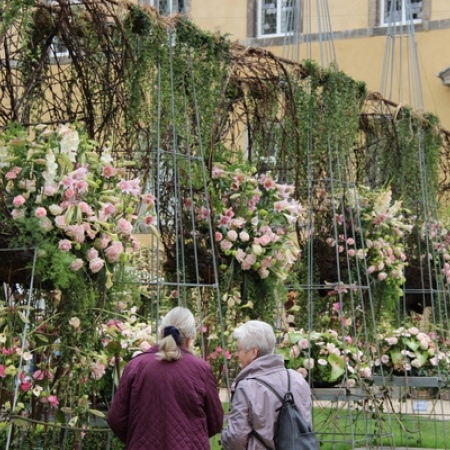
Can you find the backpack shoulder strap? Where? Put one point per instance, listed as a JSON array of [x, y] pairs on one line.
[[272, 388], [269, 387]]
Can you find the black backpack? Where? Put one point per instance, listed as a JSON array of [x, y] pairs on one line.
[[292, 432]]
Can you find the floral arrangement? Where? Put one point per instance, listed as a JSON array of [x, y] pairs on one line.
[[74, 204], [370, 234], [408, 351], [254, 221], [124, 337], [323, 358]]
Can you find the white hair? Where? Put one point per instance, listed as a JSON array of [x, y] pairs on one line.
[[256, 334]]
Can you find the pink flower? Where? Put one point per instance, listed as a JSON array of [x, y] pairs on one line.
[[109, 171], [225, 244], [25, 386], [240, 255], [2, 371], [148, 199], [107, 211], [76, 232], [70, 192], [96, 265], [91, 254], [114, 251], [216, 172], [124, 226], [224, 221], [130, 186], [85, 208], [135, 244], [64, 245], [203, 213], [53, 400], [60, 221], [218, 236], [269, 184], [98, 370], [50, 190], [18, 201], [39, 375], [77, 264], [12, 174]]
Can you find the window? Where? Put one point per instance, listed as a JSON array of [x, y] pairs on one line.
[[166, 7], [58, 51], [395, 12], [276, 17]]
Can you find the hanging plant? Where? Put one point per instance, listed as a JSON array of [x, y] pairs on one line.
[[75, 206]]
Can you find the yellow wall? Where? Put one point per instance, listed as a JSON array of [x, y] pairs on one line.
[[360, 57], [226, 17]]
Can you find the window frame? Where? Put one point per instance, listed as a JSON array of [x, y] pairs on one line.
[[63, 55], [403, 21], [155, 4], [279, 32]]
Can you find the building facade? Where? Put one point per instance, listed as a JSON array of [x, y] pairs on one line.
[[359, 32]]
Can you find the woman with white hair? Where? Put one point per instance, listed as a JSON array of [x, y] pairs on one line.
[[167, 397], [251, 423]]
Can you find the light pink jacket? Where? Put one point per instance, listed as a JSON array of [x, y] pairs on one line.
[[254, 405]]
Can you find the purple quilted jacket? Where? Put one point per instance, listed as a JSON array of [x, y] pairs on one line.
[[163, 405]]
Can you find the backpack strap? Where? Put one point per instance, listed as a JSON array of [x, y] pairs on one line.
[[282, 400], [272, 388]]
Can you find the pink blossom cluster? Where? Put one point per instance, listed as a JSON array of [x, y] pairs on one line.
[[325, 357], [408, 350], [255, 221], [131, 335], [370, 235], [76, 196]]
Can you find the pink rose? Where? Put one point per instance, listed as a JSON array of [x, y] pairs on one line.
[[64, 245], [77, 264], [124, 226], [114, 251], [25, 386], [18, 201], [98, 370], [91, 254], [96, 265], [53, 400], [225, 245], [50, 190]]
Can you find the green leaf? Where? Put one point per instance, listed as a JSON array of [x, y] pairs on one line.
[[97, 413], [337, 367], [412, 344]]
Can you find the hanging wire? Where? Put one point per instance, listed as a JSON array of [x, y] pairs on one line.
[[301, 37], [400, 79]]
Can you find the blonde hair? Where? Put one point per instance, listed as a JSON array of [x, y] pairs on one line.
[[177, 326]]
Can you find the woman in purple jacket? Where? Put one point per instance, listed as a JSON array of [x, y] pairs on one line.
[[167, 397]]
